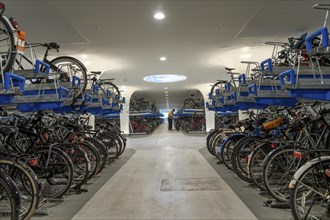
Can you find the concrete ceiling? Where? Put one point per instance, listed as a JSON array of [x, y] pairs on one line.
[[199, 38]]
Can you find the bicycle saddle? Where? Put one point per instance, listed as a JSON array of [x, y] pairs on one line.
[[222, 81], [8, 130], [76, 127], [88, 127], [53, 45], [96, 72], [229, 69]]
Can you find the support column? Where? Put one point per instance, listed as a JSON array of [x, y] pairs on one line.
[[91, 121], [124, 114], [124, 117], [210, 120]]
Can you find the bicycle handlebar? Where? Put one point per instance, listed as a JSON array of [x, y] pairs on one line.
[[51, 45], [322, 6]]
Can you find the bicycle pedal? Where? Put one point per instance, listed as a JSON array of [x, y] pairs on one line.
[[267, 203], [280, 205], [263, 192], [41, 211]]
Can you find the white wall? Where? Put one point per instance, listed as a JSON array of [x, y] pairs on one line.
[[124, 115], [209, 115]]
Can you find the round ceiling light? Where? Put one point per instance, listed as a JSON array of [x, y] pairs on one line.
[[163, 58], [164, 78], [159, 16]]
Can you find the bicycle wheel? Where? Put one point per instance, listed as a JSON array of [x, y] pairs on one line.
[[112, 147], [80, 163], [309, 196], [102, 151], [226, 149], [255, 164], [278, 171], [240, 155], [216, 145], [7, 46], [209, 140], [123, 141], [27, 183], [55, 171], [9, 198], [67, 69], [94, 158]]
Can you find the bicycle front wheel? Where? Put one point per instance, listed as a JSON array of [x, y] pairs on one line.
[[278, 171], [27, 184], [70, 73], [9, 205], [7, 46], [309, 197], [55, 171]]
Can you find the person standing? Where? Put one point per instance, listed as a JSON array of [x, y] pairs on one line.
[[170, 119]]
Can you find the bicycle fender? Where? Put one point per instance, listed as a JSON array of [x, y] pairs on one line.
[[273, 152], [303, 168], [13, 188], [242, 135]]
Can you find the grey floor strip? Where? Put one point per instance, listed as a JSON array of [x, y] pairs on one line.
[[248, 194], [73, 203]]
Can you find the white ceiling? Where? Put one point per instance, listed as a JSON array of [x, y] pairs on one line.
[[199, 38]]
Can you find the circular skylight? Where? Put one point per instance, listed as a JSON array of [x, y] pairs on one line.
[[159, 16], [168, 78]]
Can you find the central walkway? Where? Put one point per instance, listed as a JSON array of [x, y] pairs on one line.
[[167, 178]]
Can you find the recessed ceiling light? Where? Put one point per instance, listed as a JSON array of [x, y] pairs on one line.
[[159, 16], [165, 78], [245, 56], [166, 91], [165, 88], [163, 58]]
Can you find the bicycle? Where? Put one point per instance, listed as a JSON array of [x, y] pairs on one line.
[[309, 188], [12, 39], [9, 199], [65, 71]]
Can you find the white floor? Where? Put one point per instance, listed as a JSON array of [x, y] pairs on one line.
[[134, 192]]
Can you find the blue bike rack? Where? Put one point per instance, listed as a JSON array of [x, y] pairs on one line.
[[288, 81], [12, 85], [325, 40], [62, 92], [269, 65]]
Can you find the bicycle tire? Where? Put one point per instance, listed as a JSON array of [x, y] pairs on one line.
[[112, 147], [102, 151], [94, 158], [209, 139], [302, 196], [239, 156], [63, 170], [9, 197], [273, 172], [19, 172], [59, 63], [7, 64], [255, 164], [227, 149], [123, 140], [80, 163], [216, 144]]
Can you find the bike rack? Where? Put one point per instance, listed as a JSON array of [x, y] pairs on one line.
[[12, 86], [267, 90], [314, 84]]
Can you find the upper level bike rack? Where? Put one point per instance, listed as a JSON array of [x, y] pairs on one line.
[[316, 83]]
